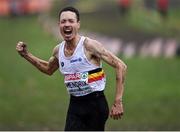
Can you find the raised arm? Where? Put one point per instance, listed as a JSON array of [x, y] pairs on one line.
[[47, 67], [98, 50]]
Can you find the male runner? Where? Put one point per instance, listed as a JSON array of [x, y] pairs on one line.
[[79, 60]]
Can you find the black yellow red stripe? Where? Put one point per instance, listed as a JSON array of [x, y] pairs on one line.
[[95, 75]]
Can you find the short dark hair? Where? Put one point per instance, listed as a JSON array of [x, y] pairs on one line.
[[72, 9]]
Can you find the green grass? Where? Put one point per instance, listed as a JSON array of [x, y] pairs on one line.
[[30, 100], [151, 95]]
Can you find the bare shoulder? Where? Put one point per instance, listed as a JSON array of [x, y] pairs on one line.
[[92, 45], [97, 49], [56, 51]]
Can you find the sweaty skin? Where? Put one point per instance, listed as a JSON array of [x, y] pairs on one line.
[[94, 51]]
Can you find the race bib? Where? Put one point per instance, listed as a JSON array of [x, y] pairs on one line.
[[77, 84]]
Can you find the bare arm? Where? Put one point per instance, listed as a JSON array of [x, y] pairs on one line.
[[120, 67], [47, 67]]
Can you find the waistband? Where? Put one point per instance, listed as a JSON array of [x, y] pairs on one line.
[[93, 95]]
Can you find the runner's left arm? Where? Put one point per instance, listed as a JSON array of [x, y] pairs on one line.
[[120, 67]]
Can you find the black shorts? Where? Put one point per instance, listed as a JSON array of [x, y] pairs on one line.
[[87, 113]]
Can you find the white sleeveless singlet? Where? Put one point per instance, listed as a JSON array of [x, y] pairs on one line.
[[81, 77]]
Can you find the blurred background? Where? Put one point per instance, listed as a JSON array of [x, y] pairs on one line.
[[145, 34]]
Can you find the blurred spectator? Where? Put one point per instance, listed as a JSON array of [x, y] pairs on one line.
[[15, 7], [23, 7], [162, 6], [124, 6], [4, 7]]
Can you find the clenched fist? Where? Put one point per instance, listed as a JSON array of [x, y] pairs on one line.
[[21, 48]]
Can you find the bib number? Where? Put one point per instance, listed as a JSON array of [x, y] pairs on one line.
[[77, 84]]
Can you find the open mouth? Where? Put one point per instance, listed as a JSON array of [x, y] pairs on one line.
[[67, 31]]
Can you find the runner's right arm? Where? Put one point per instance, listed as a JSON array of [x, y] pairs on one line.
[[47, 67]]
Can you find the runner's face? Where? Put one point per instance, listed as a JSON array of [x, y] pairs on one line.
[[69, 25]]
